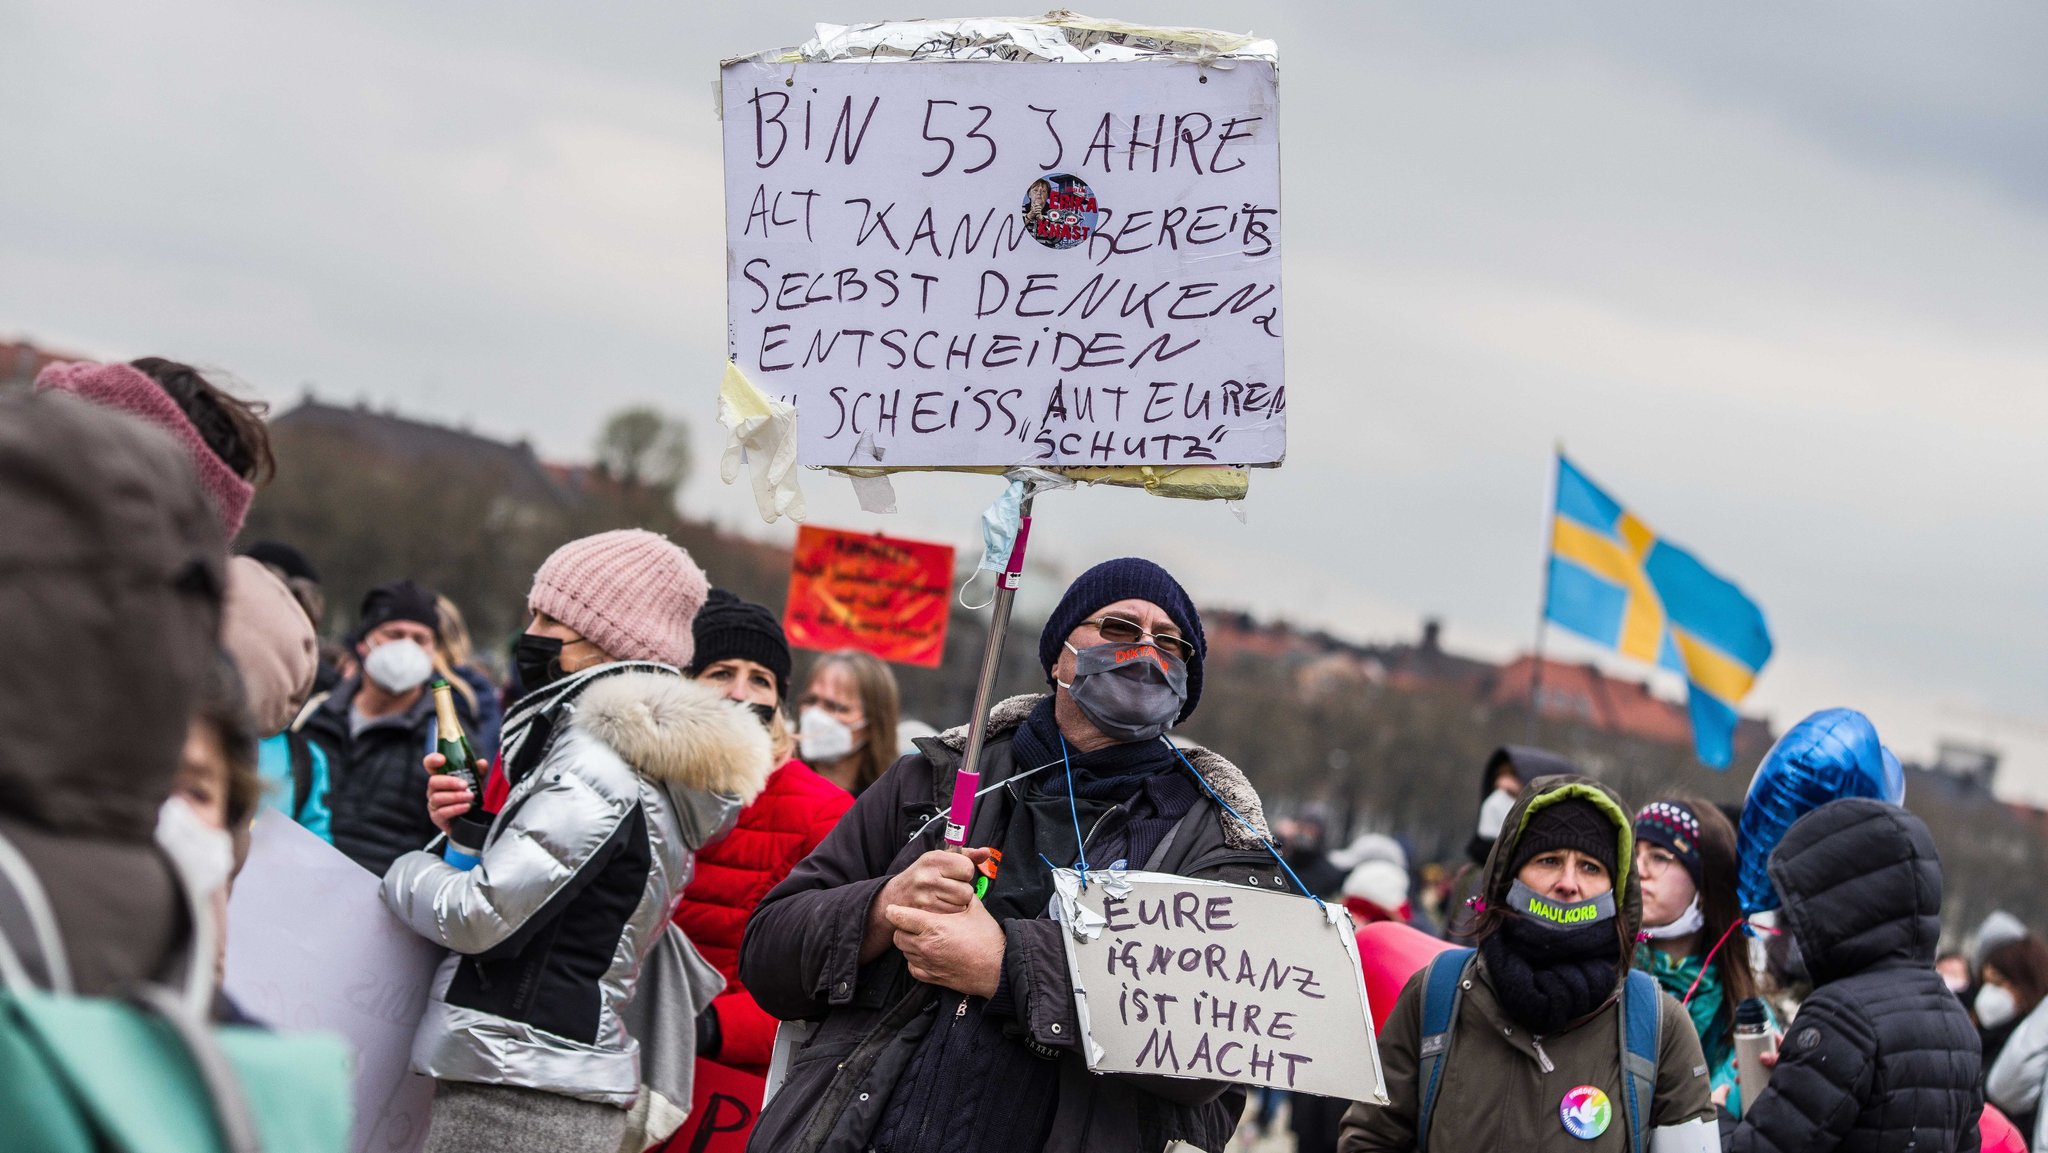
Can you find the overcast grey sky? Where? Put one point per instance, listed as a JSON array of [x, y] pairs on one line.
[[1777, 275]]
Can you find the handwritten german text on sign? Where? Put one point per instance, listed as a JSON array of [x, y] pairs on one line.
[[1186, 978], [987, 263], [879, 594]]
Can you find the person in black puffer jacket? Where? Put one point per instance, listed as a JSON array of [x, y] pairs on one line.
[[375, 726], [1882, 1056]]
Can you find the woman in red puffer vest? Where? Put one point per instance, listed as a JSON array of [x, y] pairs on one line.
[[741, 649]]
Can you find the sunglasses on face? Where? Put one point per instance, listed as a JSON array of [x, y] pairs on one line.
[[1125, 631]]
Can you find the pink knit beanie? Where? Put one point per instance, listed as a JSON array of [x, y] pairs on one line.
[[630, 592], [130, 390]]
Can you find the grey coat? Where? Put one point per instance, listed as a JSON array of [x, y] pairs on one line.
[[2015, 1080], [578, 877], [800, 960], [111, 573]]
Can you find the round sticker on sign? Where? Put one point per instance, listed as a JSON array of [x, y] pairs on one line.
[[1586, 1112], [1059, 210]]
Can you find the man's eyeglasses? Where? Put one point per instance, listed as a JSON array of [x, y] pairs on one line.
[[1125, 631]]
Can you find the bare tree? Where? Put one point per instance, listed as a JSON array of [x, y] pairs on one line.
[[1399, 759], [641, 448]]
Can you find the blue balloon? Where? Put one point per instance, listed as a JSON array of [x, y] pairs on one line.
[[1830, 755]]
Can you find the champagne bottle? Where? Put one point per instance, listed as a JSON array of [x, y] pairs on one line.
[[453, 744], [466, 833]]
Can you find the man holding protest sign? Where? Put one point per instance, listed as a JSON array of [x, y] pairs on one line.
[[948, 1020]]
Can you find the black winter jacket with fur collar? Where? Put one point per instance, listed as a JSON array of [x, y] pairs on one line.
[[801, 960]]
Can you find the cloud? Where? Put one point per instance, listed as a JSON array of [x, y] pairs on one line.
[[1775, 277]]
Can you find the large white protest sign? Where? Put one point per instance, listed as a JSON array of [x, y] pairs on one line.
[[311, 946], [999, 263], [1187, 978]]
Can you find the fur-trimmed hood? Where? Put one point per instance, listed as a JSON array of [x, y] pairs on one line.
[[560, 938], [678, 732], [1227, 779]]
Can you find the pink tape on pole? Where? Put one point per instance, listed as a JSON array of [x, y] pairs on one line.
[[1013, 572], [965, 785]]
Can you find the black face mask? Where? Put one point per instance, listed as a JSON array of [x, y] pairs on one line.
[[763, 713], [538, 659]]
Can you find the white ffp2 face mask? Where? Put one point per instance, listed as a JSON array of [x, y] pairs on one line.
[[1688, 922], [399, 666], [1493, 813], [204, 856], [1995, 1006], [824, 738]]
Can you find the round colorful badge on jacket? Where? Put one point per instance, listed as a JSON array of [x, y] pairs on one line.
[[1586, 1112]]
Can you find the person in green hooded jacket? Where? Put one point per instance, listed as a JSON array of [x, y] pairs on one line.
[[1532, 1058], [1685, 857]]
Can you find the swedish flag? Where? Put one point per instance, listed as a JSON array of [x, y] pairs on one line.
[[1614, 582]]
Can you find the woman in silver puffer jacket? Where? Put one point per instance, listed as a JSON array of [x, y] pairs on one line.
[[619, 770]]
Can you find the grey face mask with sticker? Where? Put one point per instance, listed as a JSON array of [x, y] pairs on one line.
[[1130, 692], [1542, 910]]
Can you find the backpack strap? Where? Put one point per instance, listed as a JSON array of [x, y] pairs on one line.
[[1641, 1021], [26, 893], [299, 746], [1443, 991], [306, 710]]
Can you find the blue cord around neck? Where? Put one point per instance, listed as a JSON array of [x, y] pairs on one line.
[[1081, 849], [1249, 827], [1074, 811]]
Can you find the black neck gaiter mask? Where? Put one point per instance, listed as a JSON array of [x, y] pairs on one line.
[[1549, 976]]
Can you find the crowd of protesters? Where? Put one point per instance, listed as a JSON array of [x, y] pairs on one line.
[[665, 807]]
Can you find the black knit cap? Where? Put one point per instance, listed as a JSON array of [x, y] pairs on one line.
[[1126, 578], [404, 600], [728, 628], [1675, 828], [1571, 824]]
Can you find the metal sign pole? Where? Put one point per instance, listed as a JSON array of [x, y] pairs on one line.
[[967, 781], [1543, 608]]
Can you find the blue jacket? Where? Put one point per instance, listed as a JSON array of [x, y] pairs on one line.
[[280, 786]]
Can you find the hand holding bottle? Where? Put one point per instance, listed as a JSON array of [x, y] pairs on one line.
[[448, 797], [1756, 1049], [454, 803]]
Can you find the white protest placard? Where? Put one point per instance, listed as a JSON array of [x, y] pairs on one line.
[[998, 263], [311, 946], [1186, 978]]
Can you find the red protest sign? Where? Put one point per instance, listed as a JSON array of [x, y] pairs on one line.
[[879, 594], [724, 1102]]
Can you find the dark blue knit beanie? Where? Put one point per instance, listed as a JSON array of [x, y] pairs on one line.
[[1122, 579]]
